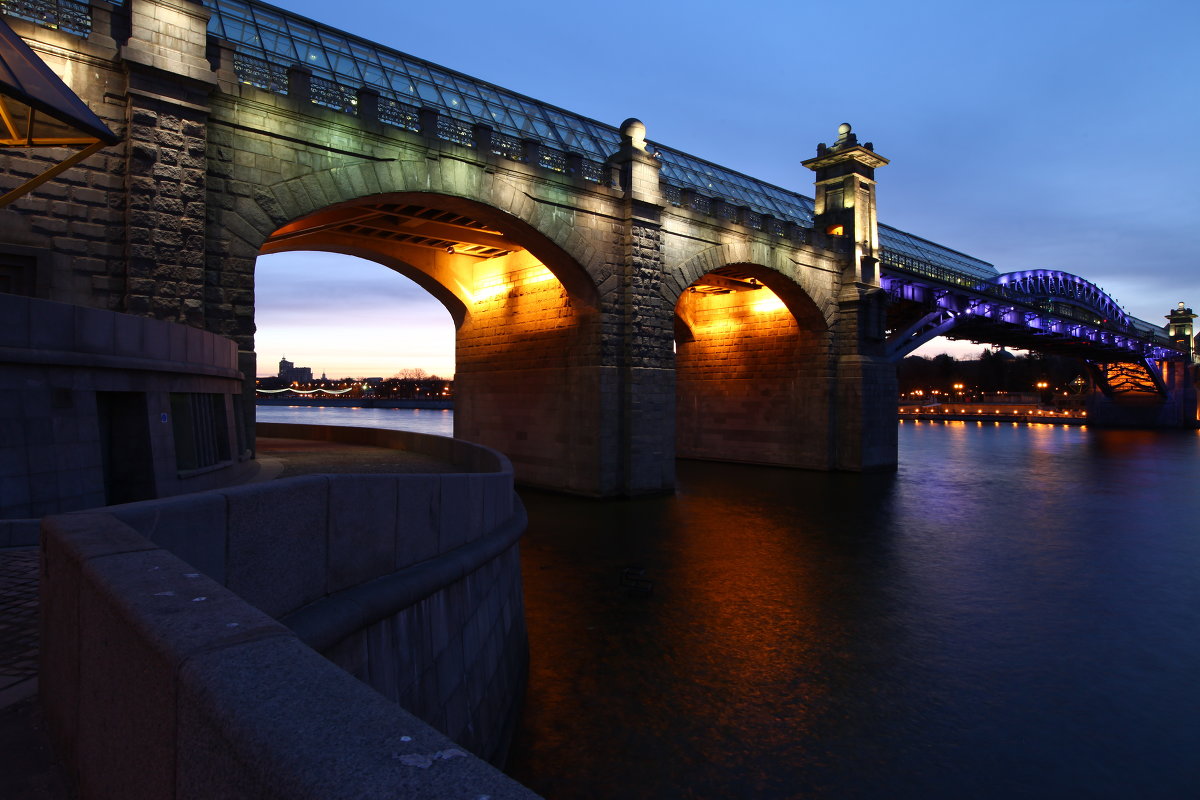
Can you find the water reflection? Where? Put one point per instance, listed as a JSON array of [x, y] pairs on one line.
[[1013, 613], [438, 421]]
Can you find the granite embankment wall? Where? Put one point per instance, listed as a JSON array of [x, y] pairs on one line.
[[178, 636], [99, 407]]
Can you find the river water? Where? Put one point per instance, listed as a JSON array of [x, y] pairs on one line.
[[438, 421], [1014, 613]]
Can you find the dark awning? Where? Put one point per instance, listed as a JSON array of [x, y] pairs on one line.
[[38, 110]]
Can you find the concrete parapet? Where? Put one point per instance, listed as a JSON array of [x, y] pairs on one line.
[[160, 680]]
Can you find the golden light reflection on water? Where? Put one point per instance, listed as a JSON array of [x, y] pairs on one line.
[[982, 622], [750, 603]]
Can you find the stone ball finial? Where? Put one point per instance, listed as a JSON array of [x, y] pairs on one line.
[[845, 139], [634, 132]]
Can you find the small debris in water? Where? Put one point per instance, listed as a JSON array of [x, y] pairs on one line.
[[635, 578]]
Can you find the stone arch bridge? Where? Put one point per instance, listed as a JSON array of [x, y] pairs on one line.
[[617, 303]]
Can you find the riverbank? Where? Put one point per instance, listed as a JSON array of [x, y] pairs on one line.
[[346, 402], [1047, 418], [979, 411]]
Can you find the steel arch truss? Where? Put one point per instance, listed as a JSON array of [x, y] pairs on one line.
[[1057, 291], [1047, 311]]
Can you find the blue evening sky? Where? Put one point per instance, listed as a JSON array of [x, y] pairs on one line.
[[1029, 134]]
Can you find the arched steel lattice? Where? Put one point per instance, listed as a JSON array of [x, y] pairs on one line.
[[1047, 287]]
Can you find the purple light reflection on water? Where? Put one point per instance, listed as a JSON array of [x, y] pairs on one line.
[[1013, 613]]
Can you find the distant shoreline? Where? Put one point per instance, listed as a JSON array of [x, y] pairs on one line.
[[1029, 419], [357, 402]]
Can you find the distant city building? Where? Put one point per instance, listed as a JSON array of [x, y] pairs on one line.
[[290, 373]]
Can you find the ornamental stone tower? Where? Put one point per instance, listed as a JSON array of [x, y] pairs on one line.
[[845, 221], [845, 201], [1179, 328]]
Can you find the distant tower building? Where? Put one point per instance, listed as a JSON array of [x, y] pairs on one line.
[[1179, 327], [290, 373]]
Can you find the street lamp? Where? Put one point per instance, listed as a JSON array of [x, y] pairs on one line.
[[1043, 388]]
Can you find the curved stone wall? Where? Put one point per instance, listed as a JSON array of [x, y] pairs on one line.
[[174, 657], [98, 407]]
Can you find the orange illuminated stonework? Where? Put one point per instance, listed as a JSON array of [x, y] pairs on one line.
[[747, 379]]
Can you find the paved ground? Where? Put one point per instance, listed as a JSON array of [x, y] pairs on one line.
[[304, 457], [18, 623], [28, 767]]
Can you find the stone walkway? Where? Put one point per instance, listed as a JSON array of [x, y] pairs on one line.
[[18, 624], [28, 767], [308, 457]]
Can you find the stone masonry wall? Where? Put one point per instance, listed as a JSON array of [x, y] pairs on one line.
[[68, 234], [141, 228], [747, 382], [527, 376], [648, 402], [165, 196]]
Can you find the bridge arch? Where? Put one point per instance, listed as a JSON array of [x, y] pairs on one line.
[[454, 186], [526, 311], [1056, 289], [751, 347], [800, 289]]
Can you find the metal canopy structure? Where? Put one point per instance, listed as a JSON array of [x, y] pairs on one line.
[[38, 110], [268, 40]]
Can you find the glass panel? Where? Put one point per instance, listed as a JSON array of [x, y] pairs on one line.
[[477, 109], [273, 42], [429, 93], [282, 39]]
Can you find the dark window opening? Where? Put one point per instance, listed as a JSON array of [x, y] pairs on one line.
[[17, 274], [126, 455], [201, 430]]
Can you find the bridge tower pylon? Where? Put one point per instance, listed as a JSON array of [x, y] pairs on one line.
[[845, 221], [1180, 329]]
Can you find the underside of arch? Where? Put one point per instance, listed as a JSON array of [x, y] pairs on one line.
[[525, 312], [439, 241]]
